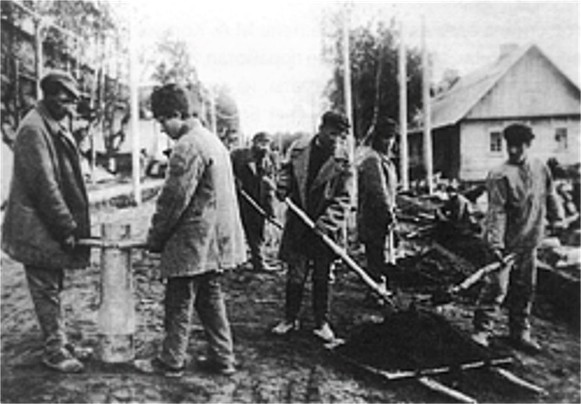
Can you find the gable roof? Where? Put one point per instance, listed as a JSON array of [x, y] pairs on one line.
[[452, 106]]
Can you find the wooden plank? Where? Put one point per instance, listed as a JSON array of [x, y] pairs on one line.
[[445, 390], [514, 379]]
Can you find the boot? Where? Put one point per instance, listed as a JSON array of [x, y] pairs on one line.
[[482, 338], [523, 341], [321, 301]]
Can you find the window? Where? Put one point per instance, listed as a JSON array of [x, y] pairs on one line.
[[495, 142], [561, 138]]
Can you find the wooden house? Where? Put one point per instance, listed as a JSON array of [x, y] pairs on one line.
[[522, 85]]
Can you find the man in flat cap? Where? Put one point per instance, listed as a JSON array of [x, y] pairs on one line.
[[377, 182], [317, 178], [520, 196], [48, 211], [254, 169]]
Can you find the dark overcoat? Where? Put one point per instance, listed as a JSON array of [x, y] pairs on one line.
[[48, 200], [257, 182], [376, 184], [329, 198]]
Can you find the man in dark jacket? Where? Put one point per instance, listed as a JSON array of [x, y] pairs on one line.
[[377, 182], [48, 211], [254, 170], [317, 179]]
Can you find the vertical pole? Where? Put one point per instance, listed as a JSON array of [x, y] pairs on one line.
[[403, 120], [427, 111], [116, 317], [38, 56], [350, 223], [134, 111]]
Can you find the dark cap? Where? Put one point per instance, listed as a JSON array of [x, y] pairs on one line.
[[62, 78], [261, 137], [335, 120], [383, 126], [518, 134]]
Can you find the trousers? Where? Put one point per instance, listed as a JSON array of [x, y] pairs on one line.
[[202, 292], [46, 286], [519, 283], [298, 272]]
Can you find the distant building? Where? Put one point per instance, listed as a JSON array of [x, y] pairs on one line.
[[522, 85]]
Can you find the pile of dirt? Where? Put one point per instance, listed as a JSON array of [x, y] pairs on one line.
[[434, 269], [412, 340]]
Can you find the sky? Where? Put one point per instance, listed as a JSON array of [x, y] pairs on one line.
[[268, 52]]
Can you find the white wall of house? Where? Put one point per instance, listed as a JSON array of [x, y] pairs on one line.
[[477, 158]]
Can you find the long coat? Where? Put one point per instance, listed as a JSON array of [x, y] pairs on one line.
[[48, 199], [329, 198], [257, 182], [197, 221], [377, 183]]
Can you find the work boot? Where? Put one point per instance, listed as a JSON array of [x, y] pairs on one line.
[[325, 333], [482, 338], [206, 364], [523, 341], [63, 361], [157, 366], [285, 327]]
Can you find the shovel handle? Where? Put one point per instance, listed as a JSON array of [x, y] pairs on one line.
[[122, 244], [482, 272], [339, 251]]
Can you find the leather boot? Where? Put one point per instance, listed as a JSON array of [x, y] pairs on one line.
[[523, 340]]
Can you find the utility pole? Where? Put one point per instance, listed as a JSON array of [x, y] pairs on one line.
[[427, 111], [403, 120], [134, 109]]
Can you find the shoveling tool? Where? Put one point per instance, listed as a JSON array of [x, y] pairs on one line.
[[341, 253], [258, 208], [448, 295]]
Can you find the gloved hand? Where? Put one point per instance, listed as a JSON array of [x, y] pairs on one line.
[[69, 243], [153, 245], [280, 194]]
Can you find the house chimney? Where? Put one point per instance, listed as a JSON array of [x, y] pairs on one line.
[[506, 49]]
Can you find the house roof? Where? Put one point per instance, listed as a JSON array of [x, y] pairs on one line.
[[452, 106]]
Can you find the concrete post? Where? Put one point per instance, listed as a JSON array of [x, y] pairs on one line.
[[116, 318]]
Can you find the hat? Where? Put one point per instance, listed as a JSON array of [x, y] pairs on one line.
[[383, 126], [261, 137], [518, 134], [335, 120], [62, 78]]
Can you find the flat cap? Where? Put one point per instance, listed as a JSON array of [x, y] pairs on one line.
[[335, 120], [261, 137], [383, 126], [518, 133], [64, 79]]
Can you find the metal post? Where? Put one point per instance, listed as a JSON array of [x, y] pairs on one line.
[[403, 120], [116, 318], [427, 112]]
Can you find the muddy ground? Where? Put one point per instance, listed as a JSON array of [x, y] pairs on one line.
[[291, 369]]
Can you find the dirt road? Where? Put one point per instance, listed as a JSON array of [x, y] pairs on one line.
[[293, 369]]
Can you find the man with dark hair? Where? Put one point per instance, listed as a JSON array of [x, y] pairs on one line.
[[377, 182], [48, 211], [197, 229], [254, 171], [317, 179], [520, 196]]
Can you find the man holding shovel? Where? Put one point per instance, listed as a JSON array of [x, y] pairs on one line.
[[376, 198], [317, 179], [520, 194]]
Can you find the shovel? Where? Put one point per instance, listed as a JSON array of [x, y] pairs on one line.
[[447, 296], [340, 252]]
